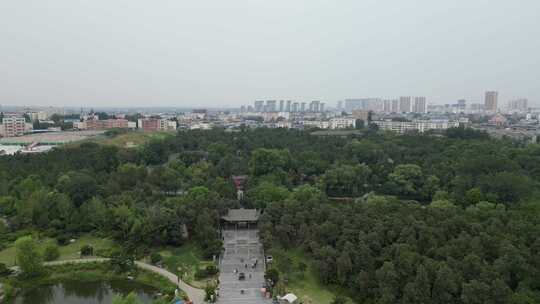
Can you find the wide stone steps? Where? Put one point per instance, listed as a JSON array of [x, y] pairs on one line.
[[241, 247]]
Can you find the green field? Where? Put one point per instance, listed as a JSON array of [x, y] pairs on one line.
[[134, 138], [68, 252], [185, 260], [307, 286]]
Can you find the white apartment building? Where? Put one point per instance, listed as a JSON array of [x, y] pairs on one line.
[[405, 104], [321, 124], [417, 125], [169, 125], [201, 126], [342, 122], [283, 124], [13, 126], [420, 105]]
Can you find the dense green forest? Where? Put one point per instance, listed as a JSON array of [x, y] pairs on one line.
[[451, 218]]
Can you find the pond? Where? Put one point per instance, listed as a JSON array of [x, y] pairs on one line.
[[85, 293]]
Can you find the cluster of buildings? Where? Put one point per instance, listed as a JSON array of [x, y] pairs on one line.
[[92, 122], [490, 106], [350, 113], [288, 106], [401, 115], [405, 104]]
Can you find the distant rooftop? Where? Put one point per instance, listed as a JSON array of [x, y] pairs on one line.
[[242, 215]]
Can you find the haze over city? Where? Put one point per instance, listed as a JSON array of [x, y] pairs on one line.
[[229, 53]]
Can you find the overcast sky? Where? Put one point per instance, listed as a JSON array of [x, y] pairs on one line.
[[216, 53]]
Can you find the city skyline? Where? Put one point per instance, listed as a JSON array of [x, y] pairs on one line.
[[502, 103], [194, 54]]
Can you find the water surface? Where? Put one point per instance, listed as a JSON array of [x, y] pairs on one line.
[[85, 293]]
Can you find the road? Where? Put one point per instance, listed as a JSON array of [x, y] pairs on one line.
[[194, 294]]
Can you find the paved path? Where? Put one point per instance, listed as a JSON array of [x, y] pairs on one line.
[[194, 294], [243, 254]]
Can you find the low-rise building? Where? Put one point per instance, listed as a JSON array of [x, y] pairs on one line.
[[106, 124], [361, 114], [415, 125], [321, 124], [156, 124], [13, 126], [342, 122], [498, 120]]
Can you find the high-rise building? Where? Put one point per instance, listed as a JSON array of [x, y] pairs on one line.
[[371, 104], [353, 103], [491, 100], [387, 106], [340, 105], [461, 105], [314, 106], [13, 126], [321, 107], [270, 106], [281, 105], [302, 107], [420, 105], [259, 105], [518, 105], [405, 104], [288, 107], [395, 106], [295, 107]]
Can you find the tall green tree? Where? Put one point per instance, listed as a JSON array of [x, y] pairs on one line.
[[29, 257]]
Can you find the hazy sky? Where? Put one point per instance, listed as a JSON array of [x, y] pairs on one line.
[[215, 53]]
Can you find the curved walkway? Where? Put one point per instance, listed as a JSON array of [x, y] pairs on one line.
[[194, 294]]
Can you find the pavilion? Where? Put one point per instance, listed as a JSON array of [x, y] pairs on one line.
[[240, 218]]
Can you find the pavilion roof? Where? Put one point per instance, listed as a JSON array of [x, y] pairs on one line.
[[242, 215]]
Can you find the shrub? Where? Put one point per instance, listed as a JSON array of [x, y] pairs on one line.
[[272, 274], [87, 250], [155, 258], [51, 252], [121, 261], [210, 293], [201, 274], [63, 239], [211, 270], [206, 272], [105, 252], [4, 270]]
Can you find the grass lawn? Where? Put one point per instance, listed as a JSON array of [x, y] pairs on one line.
[[186, 260], [68, 252], [71, 251], [134, 138], [307, 286]]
